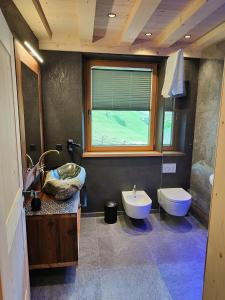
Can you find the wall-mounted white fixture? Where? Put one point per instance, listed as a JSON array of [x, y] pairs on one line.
[[175, 201], [136, 206], [169, 168], [34, 52], [211, 179]]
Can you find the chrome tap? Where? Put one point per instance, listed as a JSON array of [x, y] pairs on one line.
[[134, 190]]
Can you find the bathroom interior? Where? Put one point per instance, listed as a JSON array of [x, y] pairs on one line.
[[117, 189]]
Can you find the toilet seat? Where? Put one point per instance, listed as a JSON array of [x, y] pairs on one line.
[[176, 195]]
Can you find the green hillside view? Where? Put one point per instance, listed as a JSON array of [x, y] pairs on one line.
[[125, 128], [120, 127], [168, 128]]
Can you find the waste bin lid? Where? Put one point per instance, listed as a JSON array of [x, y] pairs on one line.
[[111, 204]]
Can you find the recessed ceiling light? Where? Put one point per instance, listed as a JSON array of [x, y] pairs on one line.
[[111, 15], [148, 34], [187, 36]]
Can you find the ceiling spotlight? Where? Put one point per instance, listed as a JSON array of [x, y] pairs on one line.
[[187, 36], [148, 34], [111, 15]]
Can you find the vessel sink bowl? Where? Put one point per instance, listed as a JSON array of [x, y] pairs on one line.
[[64, 181]]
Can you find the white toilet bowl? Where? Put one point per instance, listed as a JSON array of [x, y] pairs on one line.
[[175, 201], [136, 205]]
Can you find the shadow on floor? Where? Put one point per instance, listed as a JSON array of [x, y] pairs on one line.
[[175, 224], [136, 226], [52, 276]]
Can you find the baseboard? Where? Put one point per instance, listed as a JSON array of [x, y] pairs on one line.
[[200, 215], [98, 214], [119, 213]]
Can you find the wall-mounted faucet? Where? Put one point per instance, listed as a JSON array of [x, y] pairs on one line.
[[71, 145], [40, 165], [31, 163]]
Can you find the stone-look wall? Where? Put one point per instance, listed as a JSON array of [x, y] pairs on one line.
[[186, 115], [63, 118], [207, 116]]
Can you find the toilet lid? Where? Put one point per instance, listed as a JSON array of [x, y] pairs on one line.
[[176, 194]]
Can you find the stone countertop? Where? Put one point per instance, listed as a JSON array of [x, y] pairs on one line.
[[50, 206]]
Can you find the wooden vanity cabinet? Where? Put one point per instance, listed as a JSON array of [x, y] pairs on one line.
[[53, 239]]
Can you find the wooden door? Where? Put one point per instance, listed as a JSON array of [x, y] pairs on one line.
[[13, 247]]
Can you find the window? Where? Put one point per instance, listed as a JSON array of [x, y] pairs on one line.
[[120, 106], [169, 125], [168, 129]]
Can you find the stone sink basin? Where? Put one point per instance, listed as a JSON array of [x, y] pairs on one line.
[[64, 181]]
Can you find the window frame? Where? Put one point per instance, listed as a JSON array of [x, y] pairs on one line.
[[88, 105]]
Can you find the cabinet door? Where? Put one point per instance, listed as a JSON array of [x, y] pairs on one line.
[[52, 240]]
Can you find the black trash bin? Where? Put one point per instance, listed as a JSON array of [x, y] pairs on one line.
[[110, 208]]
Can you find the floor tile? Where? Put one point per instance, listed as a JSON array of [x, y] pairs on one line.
[[88, 252], [88, 227], [123, 251], [141, 282], [173, 248], [86, 286], [125, 226], [184, 280], [157, 259]]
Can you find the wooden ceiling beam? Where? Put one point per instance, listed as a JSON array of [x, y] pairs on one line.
[[34, 15], [193, 14], [86, 20], [42, 17], [140, 13], [214, 36]]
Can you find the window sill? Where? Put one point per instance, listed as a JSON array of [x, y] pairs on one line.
[[173, 153], [123, 154]]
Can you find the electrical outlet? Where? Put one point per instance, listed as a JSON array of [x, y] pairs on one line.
[[169, 168], [33, 147], [59, 147]]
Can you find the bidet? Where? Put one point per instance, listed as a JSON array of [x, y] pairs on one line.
[[137, 204]]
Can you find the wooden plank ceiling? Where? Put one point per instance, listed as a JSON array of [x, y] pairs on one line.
[[84, 25]]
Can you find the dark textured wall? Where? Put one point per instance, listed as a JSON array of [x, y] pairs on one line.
[[106, 177], [207, 118], [62, 101], [16, 23]]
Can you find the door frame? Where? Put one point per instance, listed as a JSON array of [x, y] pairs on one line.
[[23, 56], [214, 287]]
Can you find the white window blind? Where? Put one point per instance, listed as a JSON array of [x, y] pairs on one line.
[[121, 89]]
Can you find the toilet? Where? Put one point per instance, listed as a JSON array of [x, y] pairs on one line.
[[175, 201]]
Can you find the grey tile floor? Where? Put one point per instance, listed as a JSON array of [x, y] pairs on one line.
[[155, 259]]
